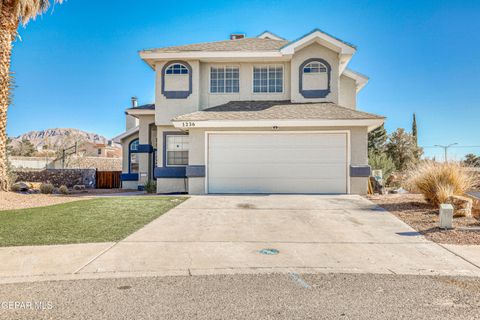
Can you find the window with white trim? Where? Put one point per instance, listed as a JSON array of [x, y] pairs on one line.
[[177, 150], [224, 79], [268, 78], [315, 67], [176, 68]]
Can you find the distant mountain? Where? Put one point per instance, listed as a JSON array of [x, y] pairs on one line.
[[58, 136]]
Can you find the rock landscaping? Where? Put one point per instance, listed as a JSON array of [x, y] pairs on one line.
[[423, 217]]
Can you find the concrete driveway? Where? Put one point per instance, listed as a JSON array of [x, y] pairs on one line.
[[225, 234]]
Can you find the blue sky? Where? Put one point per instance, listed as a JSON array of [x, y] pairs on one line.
[[78, 66]]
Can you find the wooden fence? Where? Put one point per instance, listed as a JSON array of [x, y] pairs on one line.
[[108, 179]]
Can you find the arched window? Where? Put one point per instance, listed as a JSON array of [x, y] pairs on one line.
[[314, 67], [177, 68], [315, 74], [133, 162]]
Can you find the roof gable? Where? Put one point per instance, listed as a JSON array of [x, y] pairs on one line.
[[322, 38], [270, 35]]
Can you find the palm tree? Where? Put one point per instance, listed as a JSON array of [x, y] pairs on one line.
[[12, 13]]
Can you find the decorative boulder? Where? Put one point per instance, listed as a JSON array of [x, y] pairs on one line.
[[462, 206], [20, 186]]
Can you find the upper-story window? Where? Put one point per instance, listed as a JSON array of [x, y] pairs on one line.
[[315, 67], [315, 74], [268, 78], [224, 79], [176, 68]]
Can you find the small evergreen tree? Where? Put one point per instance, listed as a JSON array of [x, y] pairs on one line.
[[376, 140], [414, 129]]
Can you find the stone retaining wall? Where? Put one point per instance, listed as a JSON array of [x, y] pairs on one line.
[[58, 177]]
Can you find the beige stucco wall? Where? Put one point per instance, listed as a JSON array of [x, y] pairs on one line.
[[358, 152], [167, 109], [245, 93], [348, 93], [314, 51], [130, 122]]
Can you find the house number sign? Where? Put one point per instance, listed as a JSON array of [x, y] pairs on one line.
[[188, 124]]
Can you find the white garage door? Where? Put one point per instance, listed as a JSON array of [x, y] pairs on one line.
[[277, 163]]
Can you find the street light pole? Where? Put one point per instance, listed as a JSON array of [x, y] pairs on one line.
[[445, 149]]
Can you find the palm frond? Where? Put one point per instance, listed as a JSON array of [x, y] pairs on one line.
[[27, 10]]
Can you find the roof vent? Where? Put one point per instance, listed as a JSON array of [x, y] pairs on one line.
[[236, 36], [134, 102]]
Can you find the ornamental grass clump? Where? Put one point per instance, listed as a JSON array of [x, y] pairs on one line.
[[439, 181], [46, 188]]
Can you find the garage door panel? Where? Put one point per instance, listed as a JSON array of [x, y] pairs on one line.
[[258, 185], [277, 163], [287, 171], [242, 155]]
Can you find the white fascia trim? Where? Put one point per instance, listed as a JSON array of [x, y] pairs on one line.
[[360, 79], [198, 55], [341, 47], [140, 112], [370, 123], [269, 35], [118, 139]]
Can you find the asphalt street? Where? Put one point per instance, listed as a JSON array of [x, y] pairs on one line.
[[256, 296]]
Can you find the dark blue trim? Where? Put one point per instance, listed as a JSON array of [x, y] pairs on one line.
[[195, 171], [141, 188], [177, 94], [144, 148], [130, 155], [314, 93], [360, 171], [129, 176], [169, 172]]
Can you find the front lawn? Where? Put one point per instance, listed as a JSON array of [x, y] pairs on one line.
[[95, 220]]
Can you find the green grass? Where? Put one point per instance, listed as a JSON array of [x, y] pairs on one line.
[[96, 220]]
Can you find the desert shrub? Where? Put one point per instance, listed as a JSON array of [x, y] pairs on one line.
[[63, 189], [381, 161], [438, 181], [150, 186], [46, 188], [78, 187]]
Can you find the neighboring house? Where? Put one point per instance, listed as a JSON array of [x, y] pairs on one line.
[[107, 150], [251, 115]]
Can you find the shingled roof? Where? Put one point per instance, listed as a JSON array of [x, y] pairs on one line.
[[150, 106], [277, 110], [245, 44]]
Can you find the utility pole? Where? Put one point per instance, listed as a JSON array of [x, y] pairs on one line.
[[445, 149]]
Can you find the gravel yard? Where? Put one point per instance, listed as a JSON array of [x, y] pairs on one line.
[[413, 210], [13, 200]]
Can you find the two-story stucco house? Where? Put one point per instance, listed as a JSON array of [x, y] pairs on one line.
[[251, 115]]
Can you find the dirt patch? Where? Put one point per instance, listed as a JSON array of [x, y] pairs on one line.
[[12, 200], [417, 213]]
